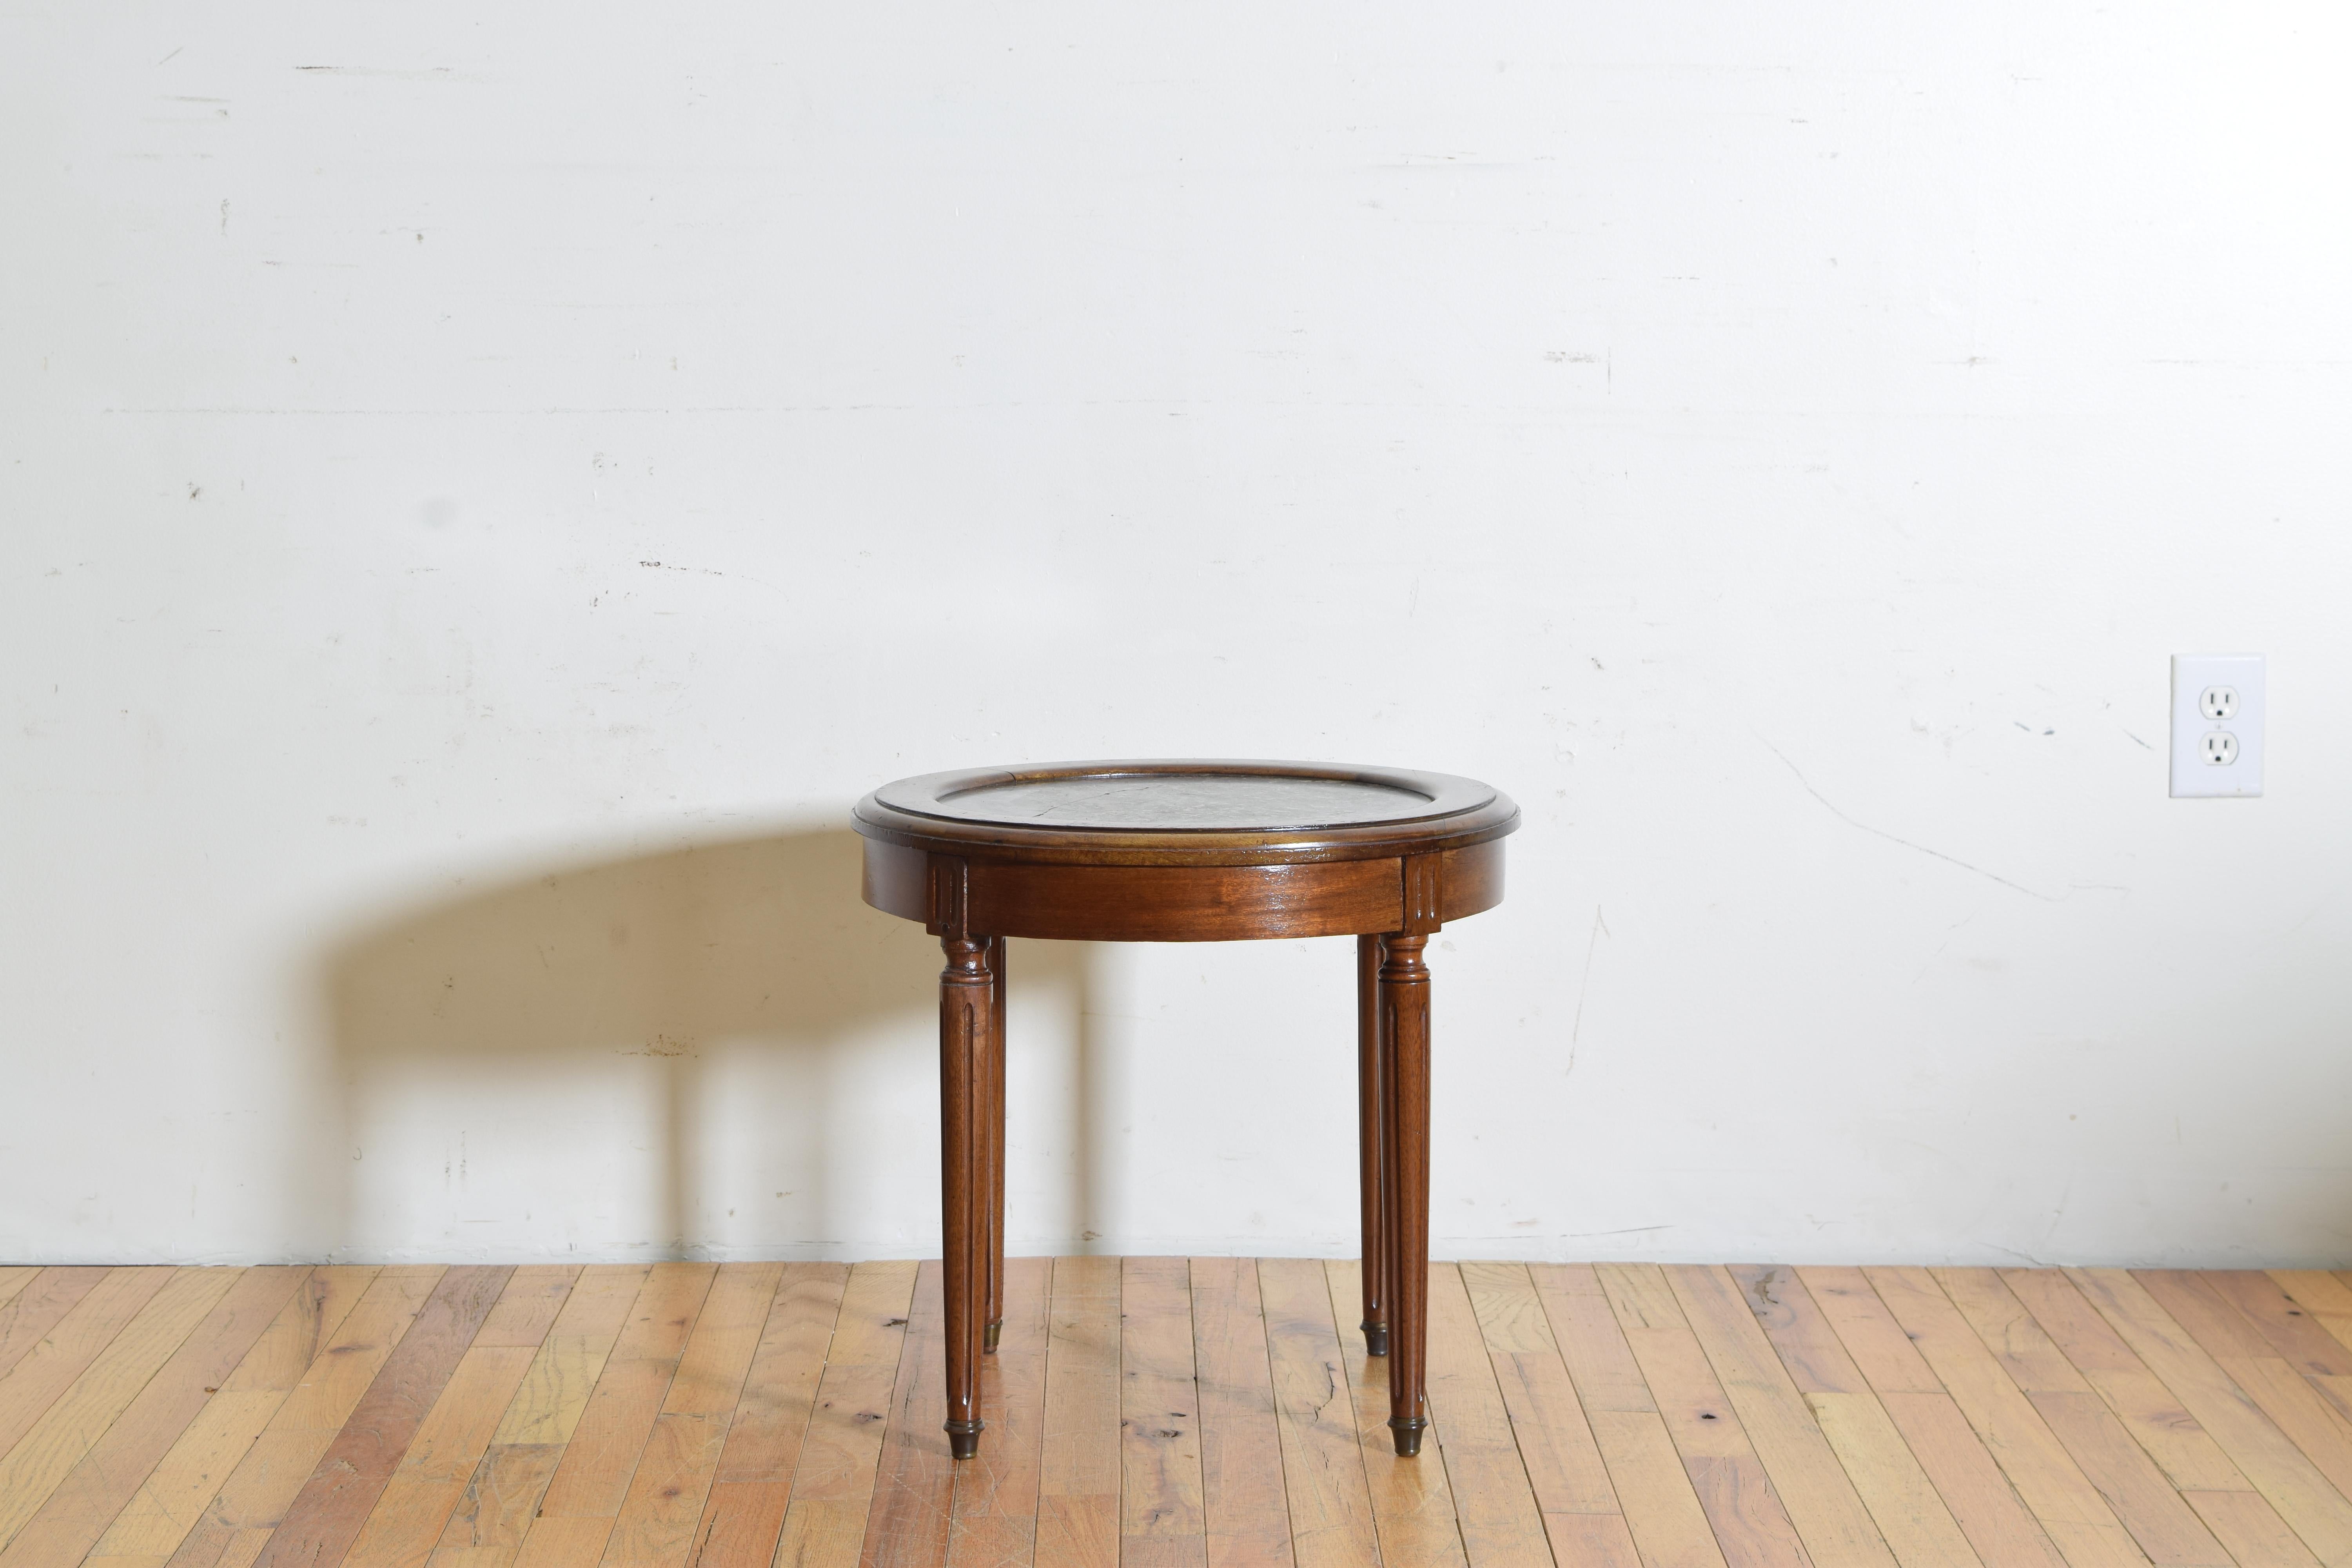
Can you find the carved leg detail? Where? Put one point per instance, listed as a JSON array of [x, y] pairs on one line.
[[964, 1025], [1369, 1091], [1404, 1016], [995, 1134]]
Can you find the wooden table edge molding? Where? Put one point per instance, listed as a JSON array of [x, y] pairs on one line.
[[1171, 850]]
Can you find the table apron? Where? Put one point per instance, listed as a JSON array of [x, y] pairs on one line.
[[1182, 903]]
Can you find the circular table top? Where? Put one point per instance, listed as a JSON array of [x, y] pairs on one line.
[[1197, 813]]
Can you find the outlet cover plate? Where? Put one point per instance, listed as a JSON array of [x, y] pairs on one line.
[[2194, 675]]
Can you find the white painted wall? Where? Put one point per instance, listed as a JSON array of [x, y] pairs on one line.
[[484, 489]]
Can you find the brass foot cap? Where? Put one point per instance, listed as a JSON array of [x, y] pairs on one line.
[[963, 1438], [989, 1335], [1407, 1431], [1376, 1338]]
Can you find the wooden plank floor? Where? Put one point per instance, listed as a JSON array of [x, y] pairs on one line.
[[1154, 1412]]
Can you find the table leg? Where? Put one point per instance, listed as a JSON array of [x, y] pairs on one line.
[[992, 1130], [964, 1027], [1368, 1094], [1404, 1016]]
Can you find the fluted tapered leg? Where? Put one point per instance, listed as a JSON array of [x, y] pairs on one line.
[[1404, 1119], [1370, 1090], [994, 1131], [966, 1013]]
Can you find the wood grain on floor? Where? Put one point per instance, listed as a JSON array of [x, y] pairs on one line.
[[1212, 1413]]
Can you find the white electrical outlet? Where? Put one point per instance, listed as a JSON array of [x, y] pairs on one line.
[[2217, 723]]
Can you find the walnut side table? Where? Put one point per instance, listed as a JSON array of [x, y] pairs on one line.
[[1188, 851]]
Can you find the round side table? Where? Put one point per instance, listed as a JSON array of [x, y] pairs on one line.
[[1188, 851]]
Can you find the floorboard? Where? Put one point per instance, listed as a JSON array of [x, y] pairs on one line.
[[1242, 1505], [1144, 1413]]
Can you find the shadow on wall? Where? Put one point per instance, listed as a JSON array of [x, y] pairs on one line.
[[668, 1039]]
